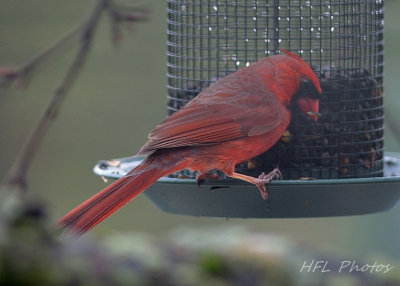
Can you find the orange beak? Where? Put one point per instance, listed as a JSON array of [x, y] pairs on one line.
[[309, 106]]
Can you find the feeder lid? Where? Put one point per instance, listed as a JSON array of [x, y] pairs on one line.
[[288, 198]]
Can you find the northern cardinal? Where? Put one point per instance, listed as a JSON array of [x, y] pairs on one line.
[[235, 119]]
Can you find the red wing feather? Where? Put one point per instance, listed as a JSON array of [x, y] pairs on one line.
[[205, 124], [193, 127]]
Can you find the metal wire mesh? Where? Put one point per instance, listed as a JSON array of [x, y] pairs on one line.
[[341, 40]]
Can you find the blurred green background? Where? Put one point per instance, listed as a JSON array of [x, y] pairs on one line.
[[118, 98]]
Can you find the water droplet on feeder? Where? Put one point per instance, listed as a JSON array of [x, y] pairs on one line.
[[279, 40], [255, 30], [215, 8], [332, 29], [364, 37], [246, 40], [237, 63], [312, 29], [255, 18], [301, 51], [210, 28], [288, 19], [247, 64]]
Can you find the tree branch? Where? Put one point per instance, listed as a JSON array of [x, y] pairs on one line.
[[23, 73], [122, 14], [17, 174]]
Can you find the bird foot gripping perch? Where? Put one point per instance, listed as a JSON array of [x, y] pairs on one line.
[[264, 179], [261, 182]]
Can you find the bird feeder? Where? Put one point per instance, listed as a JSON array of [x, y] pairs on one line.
[[333, 167]]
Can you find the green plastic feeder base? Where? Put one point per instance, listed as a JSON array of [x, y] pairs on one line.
[[288, 198]]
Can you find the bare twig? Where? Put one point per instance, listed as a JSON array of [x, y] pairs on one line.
[[22, 74], [119, 14], [122, 14], [17, 174]]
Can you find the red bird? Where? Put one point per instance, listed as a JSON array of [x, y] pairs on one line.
[[235, 119]]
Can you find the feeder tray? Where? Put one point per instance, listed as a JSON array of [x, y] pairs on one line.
[[288, 198]]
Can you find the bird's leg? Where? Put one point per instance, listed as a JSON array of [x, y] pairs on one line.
[[260, 182], [208, 175]]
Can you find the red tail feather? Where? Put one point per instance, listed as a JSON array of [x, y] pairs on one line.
[[106, 202]]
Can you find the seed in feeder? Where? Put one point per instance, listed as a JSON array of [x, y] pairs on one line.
[[114, 163], [251, 164], [367, 136], [372, 157], [286, 136], [345, 161], [180, 176]]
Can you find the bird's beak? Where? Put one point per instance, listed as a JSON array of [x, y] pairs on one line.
[[309, 106]]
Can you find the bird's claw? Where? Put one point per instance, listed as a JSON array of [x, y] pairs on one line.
[[264, 179], [264, 190]]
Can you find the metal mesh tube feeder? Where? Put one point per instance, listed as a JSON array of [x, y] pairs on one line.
[[343, 43]]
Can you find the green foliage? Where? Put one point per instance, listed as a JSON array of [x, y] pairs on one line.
[[213, 264]]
